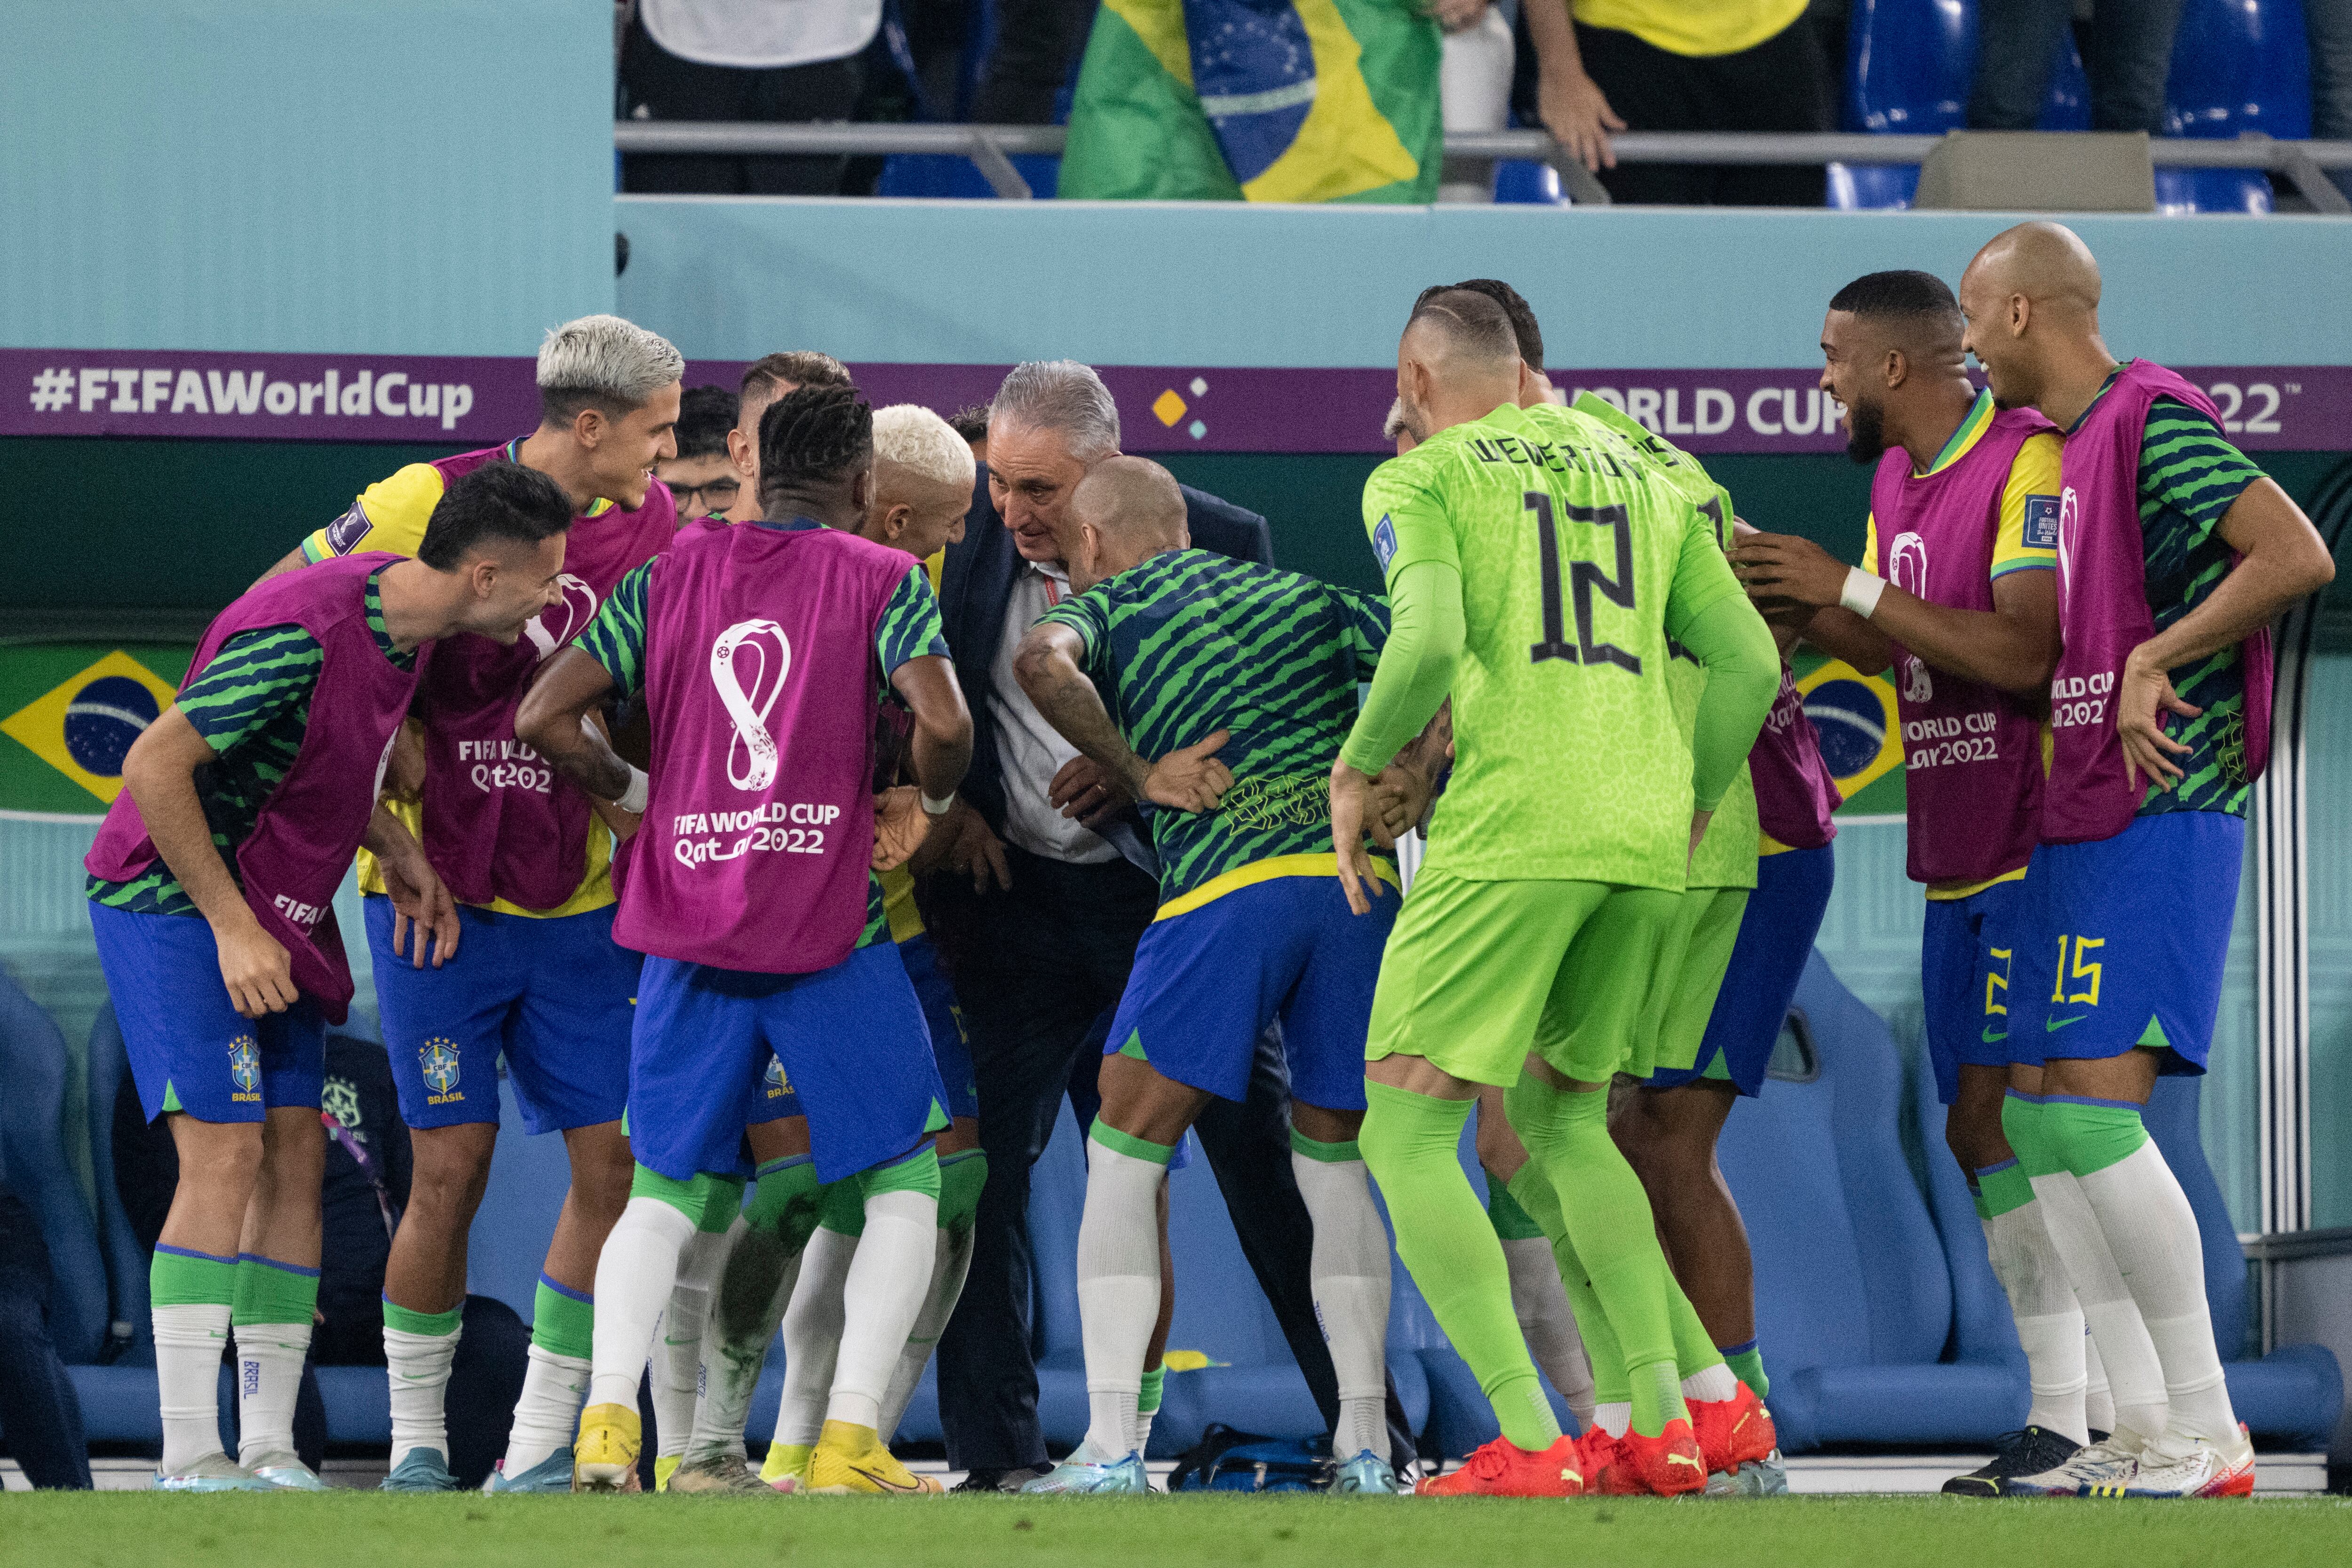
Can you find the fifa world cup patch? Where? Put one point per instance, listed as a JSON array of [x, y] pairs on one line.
[[2041, 522], [440, 1059], [1384, 542]]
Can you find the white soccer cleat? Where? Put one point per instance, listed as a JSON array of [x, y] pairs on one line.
[[2103, 1469], [2205, 1470]]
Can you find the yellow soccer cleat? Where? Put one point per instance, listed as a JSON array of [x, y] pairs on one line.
[[852, 1461], [605, 1456], [665, 1467], [786, 1466]]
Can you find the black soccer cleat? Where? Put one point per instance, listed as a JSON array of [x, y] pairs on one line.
[[2022, 1453]]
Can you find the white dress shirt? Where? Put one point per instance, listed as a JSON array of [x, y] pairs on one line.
[[1030, 750]]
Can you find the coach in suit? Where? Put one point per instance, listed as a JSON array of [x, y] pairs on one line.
[[1038, 914]]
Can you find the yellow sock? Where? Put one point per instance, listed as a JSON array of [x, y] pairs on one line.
[[847, 1437], [665, 1467], [785, 1459]]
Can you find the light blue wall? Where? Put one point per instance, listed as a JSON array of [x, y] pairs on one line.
[[1213, 285], [376, 176]]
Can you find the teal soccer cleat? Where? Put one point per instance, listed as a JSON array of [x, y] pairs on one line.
[[420, 1470], [1076, 1475], [286, 1472], [553, 1473], [1368, 1473], [214, 1472]]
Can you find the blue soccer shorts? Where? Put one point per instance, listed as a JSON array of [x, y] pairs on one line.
[[1966, 954], [1767, 959], [949, 1047], [848, 1043], [1207, 982], [2122, 943], [555, 996], [189, 1047]]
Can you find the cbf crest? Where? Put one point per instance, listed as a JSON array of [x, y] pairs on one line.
[[440, 1059], [245, 1064]]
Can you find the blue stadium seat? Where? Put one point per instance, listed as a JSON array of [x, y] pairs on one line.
[[126, 1260], [32, 1131], [2238, 66]]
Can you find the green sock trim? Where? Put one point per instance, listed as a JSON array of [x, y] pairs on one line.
[[785, 1202], [1657, 1390], [1329, 1154], [1127, 1144], [1511, 1221], [439, 1325], [562, 1323], [179, 1278], [1747, 1366], [2001, 1189], [711, 1202], [1133, 1048], [268, 1292], [918, 1172], [841, 1207], [2022, 1124], [2090, 1136], [1147, 1403], [962, 1174]]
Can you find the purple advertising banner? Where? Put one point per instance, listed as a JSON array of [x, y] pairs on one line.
[[477, 400]]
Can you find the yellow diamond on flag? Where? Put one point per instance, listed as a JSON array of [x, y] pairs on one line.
[[84, 726], [1169, 407]]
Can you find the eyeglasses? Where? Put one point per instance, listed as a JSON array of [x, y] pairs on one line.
[[716, 494]]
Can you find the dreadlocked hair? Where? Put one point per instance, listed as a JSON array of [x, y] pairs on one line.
[[814, 437]]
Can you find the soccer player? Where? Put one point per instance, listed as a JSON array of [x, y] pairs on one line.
[[542, 983], [2174, 555], [765, 379], [1535, 568], [701, 478], [749, 887], [1964, 520], [1231, 687], [210, 888]]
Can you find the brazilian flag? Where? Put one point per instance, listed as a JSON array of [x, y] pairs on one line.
[[69, 712], [1861, 733], [1263, 101]]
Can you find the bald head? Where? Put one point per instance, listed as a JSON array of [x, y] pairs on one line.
[[2032, 300], [1126, 510], [2047, 263]]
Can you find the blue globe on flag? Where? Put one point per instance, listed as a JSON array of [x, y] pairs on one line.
[[103, 719]]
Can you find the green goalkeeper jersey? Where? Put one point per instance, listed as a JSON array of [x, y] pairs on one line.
[[1726, 856], [1578, 560]]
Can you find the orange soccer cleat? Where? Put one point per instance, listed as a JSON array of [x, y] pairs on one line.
[[1733, 1432], [1502, 1469], [1667, 1465]]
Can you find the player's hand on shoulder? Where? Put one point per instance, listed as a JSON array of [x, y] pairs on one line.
[[1191, 778], [255, 967], [1088, 793]]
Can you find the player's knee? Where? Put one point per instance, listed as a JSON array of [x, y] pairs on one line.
[[216, 1156]]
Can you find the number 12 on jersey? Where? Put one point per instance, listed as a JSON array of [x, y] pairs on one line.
[[1583, 578]]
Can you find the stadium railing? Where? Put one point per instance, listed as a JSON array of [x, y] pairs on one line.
[[992, 149]]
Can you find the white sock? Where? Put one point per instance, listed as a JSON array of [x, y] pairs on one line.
[[1716, 1383], [1547, 1323], [547, 1414], [1143, 1420], [2049, 1319], [2134, 1374], [746, 1307], [1350, 1269], [1615, 1419], [949, 1263], [2098, 1400], [417, 1365], [888, 1281], [676, 1371], [1118, 1291], [2153, 1233], [188, 1345], [268, 1379], [813, 1325], [634, 1276]]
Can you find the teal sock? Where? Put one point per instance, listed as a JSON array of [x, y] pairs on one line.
[[1747, 1364], [2089, 1135], [563, 1321], [268, 1292], [1409, 1141], [1146, 1401]]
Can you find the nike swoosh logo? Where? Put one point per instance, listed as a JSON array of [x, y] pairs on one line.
[[2051, 1026], [1991, 1039], [884, 1482]]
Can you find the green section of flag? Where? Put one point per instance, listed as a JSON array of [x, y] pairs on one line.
[[45, 685]]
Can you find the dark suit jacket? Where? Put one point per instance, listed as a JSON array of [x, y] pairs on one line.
[[976, 580]]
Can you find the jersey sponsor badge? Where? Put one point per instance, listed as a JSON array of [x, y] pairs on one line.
[[2041, 522], [1384, 545], [344, 534]]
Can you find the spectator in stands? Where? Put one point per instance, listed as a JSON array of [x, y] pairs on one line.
[[972, 423], [40, 1414], [2127, 53], [1036, 43], [367, 1176], [779, 60], [1683, 64], [765, 379], [701, 477], [2328, 25]]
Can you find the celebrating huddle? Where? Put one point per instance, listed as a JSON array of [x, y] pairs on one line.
[[657, 815]]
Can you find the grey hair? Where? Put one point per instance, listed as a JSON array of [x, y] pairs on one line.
[[914, 437], [606, 363], [1062, 395]]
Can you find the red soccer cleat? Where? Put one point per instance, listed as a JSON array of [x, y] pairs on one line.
[[1667, 1465], [1733, 1432], [1502, 1469]]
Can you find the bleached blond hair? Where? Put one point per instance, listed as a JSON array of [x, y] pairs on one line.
[[603, 361], [919, 440]]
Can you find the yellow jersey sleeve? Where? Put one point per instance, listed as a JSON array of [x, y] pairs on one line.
[[1870, 545], [390, 515], [2028, 536]]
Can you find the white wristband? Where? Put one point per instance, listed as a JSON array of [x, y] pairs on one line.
[[1861, 592], [937, 806], [633, 798]]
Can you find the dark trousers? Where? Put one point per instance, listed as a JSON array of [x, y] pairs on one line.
[[1037, 971], [40, 1414], [1781, 84], [1036, 42], [664, 87], [2128, 56]]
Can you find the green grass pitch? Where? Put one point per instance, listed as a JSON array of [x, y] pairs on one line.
[[139, 1530]]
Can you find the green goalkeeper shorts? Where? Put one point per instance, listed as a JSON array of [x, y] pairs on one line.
[[1478, 973]]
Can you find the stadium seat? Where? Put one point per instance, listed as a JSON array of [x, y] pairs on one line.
[[2238, 66], [32, 1135], [126, 1260]]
